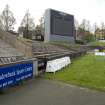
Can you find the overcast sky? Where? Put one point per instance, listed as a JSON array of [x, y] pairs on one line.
[[92, 10]]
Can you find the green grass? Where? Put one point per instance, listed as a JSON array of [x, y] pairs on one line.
[[66, 45], [87, 71], [97, 43]]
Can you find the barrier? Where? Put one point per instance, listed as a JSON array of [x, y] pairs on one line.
[[100, 53], [97, 53], [12, 74], [57, 64]]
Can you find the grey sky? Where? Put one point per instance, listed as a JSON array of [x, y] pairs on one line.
[[92, 10]]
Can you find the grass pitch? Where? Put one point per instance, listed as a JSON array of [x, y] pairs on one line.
[[87, 71]]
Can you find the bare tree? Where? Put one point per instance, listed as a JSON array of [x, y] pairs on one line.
[[8, 19], [83, 25], [41, 24], [88, 26], [1, 24], [95, 30], [28, 24], [102, 30], [76, 24], [39, 30], [84, 31]]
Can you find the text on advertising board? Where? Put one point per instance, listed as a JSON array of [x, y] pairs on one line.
[[12, 74]]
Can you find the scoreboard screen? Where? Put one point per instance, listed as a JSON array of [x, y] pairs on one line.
[[61, 23]]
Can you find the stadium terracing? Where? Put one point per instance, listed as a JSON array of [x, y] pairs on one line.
[[13, 48], [22, 59]]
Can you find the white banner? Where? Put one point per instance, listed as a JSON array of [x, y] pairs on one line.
[[57, 64]]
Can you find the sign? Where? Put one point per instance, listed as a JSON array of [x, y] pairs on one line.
[[100, 53], [61, 23], [14, 73], [57, 64]]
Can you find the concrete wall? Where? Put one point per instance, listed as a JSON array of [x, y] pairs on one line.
[[61, 38], [35, 68], [47, 25]]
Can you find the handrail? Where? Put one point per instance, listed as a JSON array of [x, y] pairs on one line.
[[21, 61]]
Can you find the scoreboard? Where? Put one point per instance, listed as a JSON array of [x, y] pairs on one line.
[[61, 23], [59, 26]]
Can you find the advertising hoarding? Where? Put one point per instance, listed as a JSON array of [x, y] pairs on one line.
[[14, 73]]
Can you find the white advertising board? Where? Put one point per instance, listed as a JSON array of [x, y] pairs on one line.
[[57, 64], [100, 53]]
